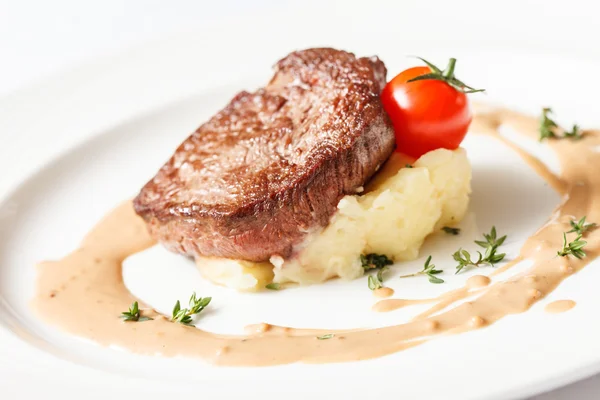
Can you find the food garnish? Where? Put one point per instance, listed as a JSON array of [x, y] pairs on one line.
[[273, 286], [489, 257], [548, 128], [325, 337], [491, 240], [376, 281], [574, 134], [547, 125], [574, 248], [429, 270], [184, 315], [120, 240], [134, 314], [581, 227], [451, 231], [373, 261], [428, 108], [408, 166], [446, 76]]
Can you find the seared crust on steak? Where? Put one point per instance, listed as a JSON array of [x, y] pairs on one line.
[[272, 166]]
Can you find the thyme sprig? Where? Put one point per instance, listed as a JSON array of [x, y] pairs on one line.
[[376, 281], [489, 257], [184, 315], [273, 286], [429, 270], [574, 247], [547, 125], [451, 231], [574, 134], [447, 76], [580, 227], [133, 314], [491, 240], [548, 128], [373, 261], [325, 337]]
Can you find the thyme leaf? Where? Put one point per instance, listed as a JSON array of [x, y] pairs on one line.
[[325, 337], [273, 286], [574, 134], [548, 128], [133, 314], [428, 270], [451, 231], [373, 261], [196, 305], [581, 227], [376, 281], [574, 248], [547, 125], [489, 257]]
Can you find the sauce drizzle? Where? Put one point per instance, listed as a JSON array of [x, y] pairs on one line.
[[383, 292], [84, 292], [559, 306]]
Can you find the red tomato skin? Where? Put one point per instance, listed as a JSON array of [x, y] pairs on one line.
[[427, 114]]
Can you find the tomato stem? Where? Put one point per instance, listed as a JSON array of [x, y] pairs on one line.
[[445, 76], [449, 71]]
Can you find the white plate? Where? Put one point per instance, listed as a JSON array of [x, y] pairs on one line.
[[101, 131]]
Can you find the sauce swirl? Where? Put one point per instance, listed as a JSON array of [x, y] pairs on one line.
[[84, 292]]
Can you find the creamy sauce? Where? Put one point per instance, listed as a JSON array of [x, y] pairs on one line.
[[478, 281], [441, 302], [383, 292], [84, 292], [559, 306], [507, 266], [394, 304]]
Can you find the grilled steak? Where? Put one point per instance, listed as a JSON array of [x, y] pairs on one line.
[[271, 167]]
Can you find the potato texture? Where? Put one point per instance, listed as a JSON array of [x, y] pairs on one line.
[[400, 207]]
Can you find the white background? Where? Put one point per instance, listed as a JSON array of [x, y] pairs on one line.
[[39, 38]]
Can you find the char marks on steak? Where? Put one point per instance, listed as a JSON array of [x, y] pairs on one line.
[[273, 164]]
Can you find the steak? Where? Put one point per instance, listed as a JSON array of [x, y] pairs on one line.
[[272, 166]]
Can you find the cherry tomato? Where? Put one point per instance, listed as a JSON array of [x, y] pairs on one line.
[[427, 114]]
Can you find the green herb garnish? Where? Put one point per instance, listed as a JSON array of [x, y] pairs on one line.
[[547, 125], [574, 134], [373, 261], [429, 270], [573, 248], [408, 166], [491, 240], [581, 227], [376, 281], [489, 257], [451, 231], [184, 315], [548, 128], [273, 286], [325, 337], [134, 314]]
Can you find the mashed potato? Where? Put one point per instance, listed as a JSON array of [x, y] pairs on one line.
[[397, 211]]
